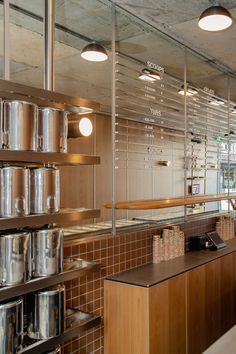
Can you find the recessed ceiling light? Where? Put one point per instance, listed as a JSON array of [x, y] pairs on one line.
[[149, 75], [215, 18], [94, 52]]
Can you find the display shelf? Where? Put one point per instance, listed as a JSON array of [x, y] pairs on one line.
[[87, 322], [65, 216], [44, 98], [45, 282], [169, 202], [33, 157]]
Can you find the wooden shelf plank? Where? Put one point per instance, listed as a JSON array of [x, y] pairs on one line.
[[46, 98], [35, 157], [169, 202], [43, 346], [63, 217], [45, 282]]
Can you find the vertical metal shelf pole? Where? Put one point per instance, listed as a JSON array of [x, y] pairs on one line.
[[6, 39], [49, 22], [228, 138], [113, 118], [185, 129]]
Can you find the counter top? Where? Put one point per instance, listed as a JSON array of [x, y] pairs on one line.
[[152, 274]]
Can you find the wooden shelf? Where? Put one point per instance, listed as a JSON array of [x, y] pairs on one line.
[[45, 282], [65, 216], [33, 157], [44, 98], [43, 346], [169, 202]]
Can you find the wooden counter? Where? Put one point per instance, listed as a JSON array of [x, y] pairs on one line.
[[152, 274], [177, 307]]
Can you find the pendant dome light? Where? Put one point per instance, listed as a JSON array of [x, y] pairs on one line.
[[94, 52], [215, 18]]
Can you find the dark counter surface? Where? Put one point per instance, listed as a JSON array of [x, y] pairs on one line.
[[151, 274]]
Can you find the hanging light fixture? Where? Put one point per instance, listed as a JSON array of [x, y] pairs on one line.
[[215, 18], [149, 75], [190, 91], [94, 52]]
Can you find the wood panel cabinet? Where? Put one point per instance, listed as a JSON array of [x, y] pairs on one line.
[[210, 302], [184, 314], [142, 320]]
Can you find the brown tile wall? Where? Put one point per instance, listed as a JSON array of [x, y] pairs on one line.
[[116, 254]]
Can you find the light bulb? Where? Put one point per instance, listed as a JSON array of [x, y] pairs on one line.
[[85, 126]]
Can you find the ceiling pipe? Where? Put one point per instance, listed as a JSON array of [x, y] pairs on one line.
[[49, 29]]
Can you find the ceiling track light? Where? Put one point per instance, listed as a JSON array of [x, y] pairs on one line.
[[94, 52], [190, 91], [215, 18], [149, 75]]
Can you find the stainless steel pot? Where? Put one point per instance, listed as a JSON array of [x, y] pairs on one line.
[[15, 258], [47, 252], [45, 190], [20, 120], [57, 350], [47, 313], [11, 326], [52, 130], [14, 191]]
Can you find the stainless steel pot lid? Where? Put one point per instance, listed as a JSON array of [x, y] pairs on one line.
[[15, 234], [52, 109], [52, 291], [19, 101], [7, 305]]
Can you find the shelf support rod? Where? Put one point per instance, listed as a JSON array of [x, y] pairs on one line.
[[6, 40], [49, 22]]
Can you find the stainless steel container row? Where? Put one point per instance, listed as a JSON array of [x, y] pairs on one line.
[[24, 126], [46, 319], [11, 326], [44, 190], [47, 313], [25, 255], [24, 191]]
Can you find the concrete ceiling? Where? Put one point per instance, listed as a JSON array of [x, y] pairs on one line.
[[83, 20], [178, 18]]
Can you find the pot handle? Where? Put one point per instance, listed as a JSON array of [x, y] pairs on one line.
[[20, 206], [5, 127], [40, 142], [51, 203]]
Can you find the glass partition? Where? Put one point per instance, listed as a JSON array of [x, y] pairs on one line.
[[174, 132], [150, 119], [26, 42], [79, 23], [207, 132]]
